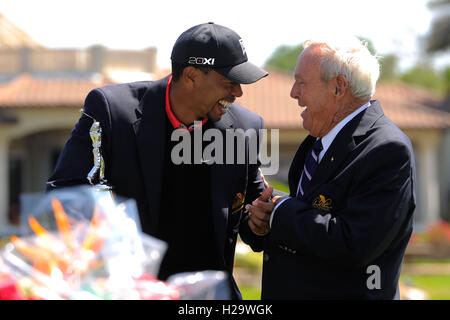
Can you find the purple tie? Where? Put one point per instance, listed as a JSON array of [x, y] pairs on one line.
[[311, 163]]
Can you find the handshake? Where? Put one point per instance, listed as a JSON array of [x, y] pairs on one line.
[[260, 210]]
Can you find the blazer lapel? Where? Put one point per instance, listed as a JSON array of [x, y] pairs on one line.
[[297, 164], [343, 144], [335, 154], [150, 132]]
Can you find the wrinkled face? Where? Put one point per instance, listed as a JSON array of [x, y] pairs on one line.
[[314, 94], [214, 93]]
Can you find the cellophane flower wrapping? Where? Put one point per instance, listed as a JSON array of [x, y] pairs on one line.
[[80, 243]]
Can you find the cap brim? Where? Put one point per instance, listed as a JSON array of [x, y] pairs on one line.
[[244, 73]]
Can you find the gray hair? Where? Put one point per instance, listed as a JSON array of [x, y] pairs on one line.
[[352, 59]]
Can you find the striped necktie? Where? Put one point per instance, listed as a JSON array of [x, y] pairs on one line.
[[311, 163]]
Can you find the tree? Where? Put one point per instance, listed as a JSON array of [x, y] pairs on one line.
[[425, 77], [369, 44], [388, 67], [447, 80], [284, 58], [439, 37]]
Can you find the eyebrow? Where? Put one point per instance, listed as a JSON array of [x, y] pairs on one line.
[[228, 81]]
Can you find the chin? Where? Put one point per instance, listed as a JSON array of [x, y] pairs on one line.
[[305, 125], [214, 117], [215, 114]]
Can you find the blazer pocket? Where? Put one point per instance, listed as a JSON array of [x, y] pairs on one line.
[[328, 198]]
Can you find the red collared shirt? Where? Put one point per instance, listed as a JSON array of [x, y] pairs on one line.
[[173, 119]]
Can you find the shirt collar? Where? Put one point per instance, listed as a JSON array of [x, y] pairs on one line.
[[177, 124], [329, 137]]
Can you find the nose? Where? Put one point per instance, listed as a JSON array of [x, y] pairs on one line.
[[294, 93], [236, 90]]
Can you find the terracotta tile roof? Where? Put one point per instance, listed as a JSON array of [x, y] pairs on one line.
[[407, 106], [28, 91], [269, 97], [412, 107]]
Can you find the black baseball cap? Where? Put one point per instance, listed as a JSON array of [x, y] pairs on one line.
[[218, 47]]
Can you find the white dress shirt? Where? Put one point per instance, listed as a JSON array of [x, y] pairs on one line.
[[327, 140]]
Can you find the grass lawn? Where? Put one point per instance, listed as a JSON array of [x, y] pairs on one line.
[[250, 292], [278, 185], [436, 286]]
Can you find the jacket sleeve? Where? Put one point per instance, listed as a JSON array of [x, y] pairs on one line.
[[76, 158], [379, 202], [255, 187]]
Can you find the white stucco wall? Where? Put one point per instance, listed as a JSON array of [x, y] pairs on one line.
[[426, 148], [32, 124]]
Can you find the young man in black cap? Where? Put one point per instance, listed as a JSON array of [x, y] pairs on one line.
[[197, 208]]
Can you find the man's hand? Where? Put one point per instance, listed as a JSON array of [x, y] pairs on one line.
[[276, 199], [266, 184], [259, 212]]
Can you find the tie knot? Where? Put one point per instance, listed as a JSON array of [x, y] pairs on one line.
[[317, 146]]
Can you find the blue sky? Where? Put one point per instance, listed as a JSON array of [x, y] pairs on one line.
[[392, 25]]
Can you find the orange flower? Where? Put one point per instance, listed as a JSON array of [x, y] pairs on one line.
[[49, 253]]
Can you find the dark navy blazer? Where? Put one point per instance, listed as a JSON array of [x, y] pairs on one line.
[[132, 117], [356, 216]]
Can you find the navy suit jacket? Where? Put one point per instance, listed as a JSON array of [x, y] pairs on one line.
[[133, 121], [355, 216]]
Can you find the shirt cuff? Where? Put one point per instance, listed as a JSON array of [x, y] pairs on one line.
[[274, 209]]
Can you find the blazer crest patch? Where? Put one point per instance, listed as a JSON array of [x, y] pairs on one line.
[[238, 203], [322, 203]]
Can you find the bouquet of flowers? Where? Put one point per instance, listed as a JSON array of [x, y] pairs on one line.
[[79, 243]]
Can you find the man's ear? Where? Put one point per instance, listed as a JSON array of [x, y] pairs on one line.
[[189, 76], [341, 86]]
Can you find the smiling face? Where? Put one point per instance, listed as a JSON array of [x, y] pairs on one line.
[[316, 95], [213, 94]]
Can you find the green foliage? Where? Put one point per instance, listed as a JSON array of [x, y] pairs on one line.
[[388, 62], [388, 67], [427, 78], [369, 44], [446, 75], [284, 58]]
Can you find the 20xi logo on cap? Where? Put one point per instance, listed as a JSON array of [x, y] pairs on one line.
[[202, 61]]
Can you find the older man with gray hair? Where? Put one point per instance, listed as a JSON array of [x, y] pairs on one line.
[[343, 230]]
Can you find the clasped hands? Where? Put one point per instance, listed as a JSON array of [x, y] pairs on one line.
[[260, 210]]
